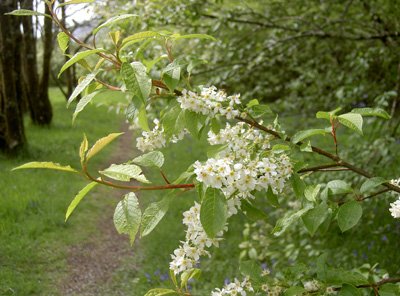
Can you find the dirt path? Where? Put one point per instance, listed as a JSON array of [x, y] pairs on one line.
[[91, 264]]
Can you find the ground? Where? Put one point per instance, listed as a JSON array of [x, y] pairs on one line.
[[91, 263]]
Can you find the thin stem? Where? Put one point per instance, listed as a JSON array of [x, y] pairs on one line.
[[319, 167], [136, 188], [109, 86], [70, 35], [165, 177], [374, 194]]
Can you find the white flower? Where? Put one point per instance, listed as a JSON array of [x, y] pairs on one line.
[[311, 286], [234, 288], [395, 208], [155, 139], [210, 102]]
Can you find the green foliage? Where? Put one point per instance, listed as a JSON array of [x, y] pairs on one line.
[[70, 2], [154, 214], [348, 215], [153, 158], [112, 21], [78, 198], [100, 144], [63, 41], [45, 165], [81, 86], [124, 172], [127, 216], [213, 212], [27, 12], [79, 57], [301, 135], [315, 217], [137, 82]]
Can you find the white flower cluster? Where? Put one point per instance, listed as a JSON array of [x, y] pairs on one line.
[[210, 102], [395, 208], [234, 288], [188, 254], [155, 139], [244, 165], [395, 182], [312, 286]]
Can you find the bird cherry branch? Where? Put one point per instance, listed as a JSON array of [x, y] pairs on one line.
[[340, 162], [134, 188]]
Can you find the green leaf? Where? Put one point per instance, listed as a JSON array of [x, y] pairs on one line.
[[127, 216], [272, 198], [213, 212], [294, 291], [353, 121], [252, 212], [101, 143], [188, 275], [125, 172], [278, 148], [378, 112], [371, 184], [83, 149], [112, 21], [137, 81], [389, 290], [349, 214], [173, 278], [171, 75], [77, 57], [63, 41], [301, 135], [251, 103], [153, 158], [45, 165], [298, 185], [194, 36], [311, 192], [185, 175], [328, 115], [193, 122], [75, 2], [160, 292], [251, 269], [81, 86], [77, 199], [142, 118], [213, 150], [154, 214], [290, 217], [169, 121], [349, 290], [306, 147], [339, 187], [27, 12], [315, 217], [338, 276], [138, 37], [130, 111], [83, 103], [257, 111]]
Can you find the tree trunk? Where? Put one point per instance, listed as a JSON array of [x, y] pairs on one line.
[[68, 73], [12, 135], [43, 105], [30, 68]]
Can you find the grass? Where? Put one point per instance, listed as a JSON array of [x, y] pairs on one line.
[[33, 235]]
